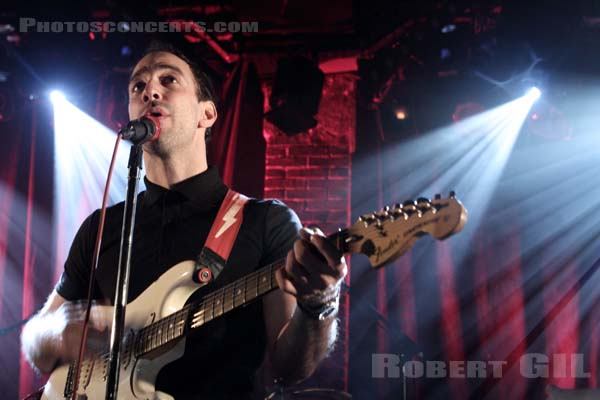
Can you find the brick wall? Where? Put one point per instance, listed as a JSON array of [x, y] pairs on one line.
[[311, 173]]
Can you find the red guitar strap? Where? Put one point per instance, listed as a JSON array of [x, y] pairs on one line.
[[220, 240]]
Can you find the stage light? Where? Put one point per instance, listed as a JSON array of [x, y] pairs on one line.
[[125, 51], [472, 154], [448, 28], [534, 93], [401, 113], [57, 96]]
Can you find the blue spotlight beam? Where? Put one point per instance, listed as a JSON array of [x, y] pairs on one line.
[[57, 97], [468, 156], [534, 93], [83, 148]]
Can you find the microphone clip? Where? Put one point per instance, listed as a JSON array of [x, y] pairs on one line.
[[141, 130]]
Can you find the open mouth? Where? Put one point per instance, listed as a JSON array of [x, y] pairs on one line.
[[156, 113]]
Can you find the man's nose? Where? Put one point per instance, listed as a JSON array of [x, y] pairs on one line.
[[151, 92]]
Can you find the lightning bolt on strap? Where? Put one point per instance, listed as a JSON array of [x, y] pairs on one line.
[[221, 237], [230, 217]]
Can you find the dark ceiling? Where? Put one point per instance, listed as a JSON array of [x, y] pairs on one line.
[[391, 40]]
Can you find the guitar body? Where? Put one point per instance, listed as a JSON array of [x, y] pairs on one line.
[[137, 376]]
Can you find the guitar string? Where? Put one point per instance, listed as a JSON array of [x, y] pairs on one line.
[[234, 289], [371, 228], [278, 264], [145, 334], [229, 289], [143, 337]]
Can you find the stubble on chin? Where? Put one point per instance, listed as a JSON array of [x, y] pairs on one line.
[[167, 146], [159, 148]]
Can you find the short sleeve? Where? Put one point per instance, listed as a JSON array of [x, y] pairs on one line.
[[281, 231], [73, 283]]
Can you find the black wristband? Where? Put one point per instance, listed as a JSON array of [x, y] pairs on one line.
[[320, 312]]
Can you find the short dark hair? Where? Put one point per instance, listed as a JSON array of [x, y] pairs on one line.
[[204, 87]]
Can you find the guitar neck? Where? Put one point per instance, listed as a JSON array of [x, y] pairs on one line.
[[217, 303], [236, 294]]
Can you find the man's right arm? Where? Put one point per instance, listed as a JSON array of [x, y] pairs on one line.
[[41, 339], [53, 335]]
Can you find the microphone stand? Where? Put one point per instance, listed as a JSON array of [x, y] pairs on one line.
[[118, 324]]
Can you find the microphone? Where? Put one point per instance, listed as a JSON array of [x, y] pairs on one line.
[[141, 130]]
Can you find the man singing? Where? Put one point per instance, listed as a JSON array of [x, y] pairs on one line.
[[293, 327]]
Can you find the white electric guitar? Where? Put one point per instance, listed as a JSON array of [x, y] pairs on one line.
[[158, 320]]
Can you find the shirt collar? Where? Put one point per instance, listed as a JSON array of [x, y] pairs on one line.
[[205, 190]]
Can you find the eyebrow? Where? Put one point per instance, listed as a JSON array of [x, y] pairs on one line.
[[154, 67]]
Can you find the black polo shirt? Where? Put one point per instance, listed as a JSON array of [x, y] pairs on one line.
[[171, 226]]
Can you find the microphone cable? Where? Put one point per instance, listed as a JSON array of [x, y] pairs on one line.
[[94, 266], [138, 131]]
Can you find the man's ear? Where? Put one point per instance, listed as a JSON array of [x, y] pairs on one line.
[[208, 114]]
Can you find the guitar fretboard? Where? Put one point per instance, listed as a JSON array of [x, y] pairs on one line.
[[215, 304]]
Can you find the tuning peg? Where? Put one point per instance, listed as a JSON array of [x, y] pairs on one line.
[[437, 196], [424, 205], [382, 215], [398, 213], [367, 219], [394, 212], [409, 205], [452, 194]]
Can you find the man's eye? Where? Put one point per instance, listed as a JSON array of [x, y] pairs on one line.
[[139, 86], [168, 80]]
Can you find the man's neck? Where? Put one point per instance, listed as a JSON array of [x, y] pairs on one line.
[[170, 171]]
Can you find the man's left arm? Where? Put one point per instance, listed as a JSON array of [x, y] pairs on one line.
[[301, 317]]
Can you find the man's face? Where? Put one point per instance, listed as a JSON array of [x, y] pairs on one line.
[[163, 85]]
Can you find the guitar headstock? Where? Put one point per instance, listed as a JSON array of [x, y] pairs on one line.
[[391, 232]]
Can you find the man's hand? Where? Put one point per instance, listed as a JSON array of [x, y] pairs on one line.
[[300, 319], [69, 319], [314, 268], [53, 335]]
